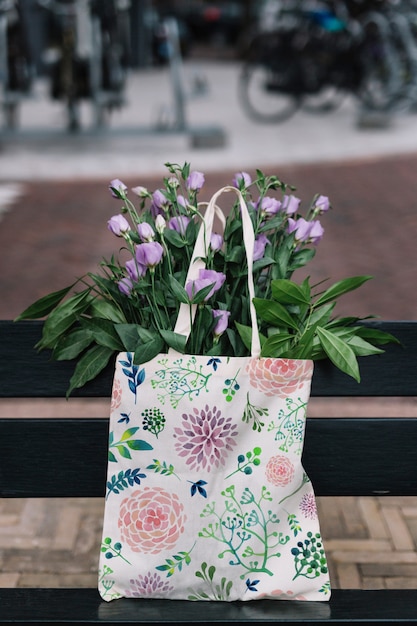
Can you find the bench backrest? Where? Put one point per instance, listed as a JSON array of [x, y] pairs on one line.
[[67, 457]]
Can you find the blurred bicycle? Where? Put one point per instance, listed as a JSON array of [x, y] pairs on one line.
[[16, 72], [317, 53], [87, 55]]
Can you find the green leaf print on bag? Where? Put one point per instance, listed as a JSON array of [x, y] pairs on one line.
[[176, 562], [214, 591], [161, 467], [309, 557], [231, 387], [180, 380], [112, 551], [126, 443], [153, 421], [247, 528], [254, 413], [134, 374], [123, 480], [290, 425], [245, 462]]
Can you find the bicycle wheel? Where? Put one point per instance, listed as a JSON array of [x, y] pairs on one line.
[[263, 93]]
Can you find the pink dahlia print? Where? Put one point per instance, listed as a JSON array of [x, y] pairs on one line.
[[308, 506], [147, 586], [151, 520], [279, 471], [116, 396], [205, 438], [279, 376]]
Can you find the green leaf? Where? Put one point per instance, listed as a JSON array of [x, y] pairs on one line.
[[145, 352], [106, 310], [338, 351], [276, 345], [174, 340], [72, 345], [340, 288], [322, 314], [245, 333], [104, 333], [274, 313], [287, 292], [174, 238], [376, 336], [129, 336], [178, 290], [44, 305], [89, 366], [62, 318], [362, 347]]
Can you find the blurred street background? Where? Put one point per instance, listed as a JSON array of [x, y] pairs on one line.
[[92, 91]]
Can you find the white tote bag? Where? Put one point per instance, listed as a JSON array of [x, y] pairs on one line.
[[206, 495]]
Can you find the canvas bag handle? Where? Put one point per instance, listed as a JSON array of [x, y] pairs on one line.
[[184, 319]]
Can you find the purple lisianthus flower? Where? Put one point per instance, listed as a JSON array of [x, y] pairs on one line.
[[205, 278], [301, 228], [290, 204], [216, 242], [181, 201], [305, 231], [269, 206], [321, 205], [195, 181], [316, 231], [259, 248], [118, 225], [159, 203], [135, 269], [242, 180], [149, 254], [125, 286], [145, 231], [179, 224], [117, 188], [222, 321]]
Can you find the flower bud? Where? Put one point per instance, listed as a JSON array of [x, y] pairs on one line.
[[195, 181], [241, 180], [145, 231], [160, 224], [118, 225], [142, 192], [216, 242], [117, 189]]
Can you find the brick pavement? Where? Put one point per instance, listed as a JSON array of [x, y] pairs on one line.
[[55, 231]]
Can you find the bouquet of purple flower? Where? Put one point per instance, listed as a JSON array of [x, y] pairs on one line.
[[132, 304]]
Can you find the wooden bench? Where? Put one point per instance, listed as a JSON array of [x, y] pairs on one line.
[[343, 456]]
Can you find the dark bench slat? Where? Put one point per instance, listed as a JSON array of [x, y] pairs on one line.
[[26, 373], [342, 456], [84, 606]]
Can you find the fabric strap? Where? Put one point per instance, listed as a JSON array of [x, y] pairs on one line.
[[184, 319]]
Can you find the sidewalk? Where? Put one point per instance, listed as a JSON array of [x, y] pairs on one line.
[[135, 144]]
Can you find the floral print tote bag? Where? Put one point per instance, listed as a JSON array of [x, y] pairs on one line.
[[206, 495]]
